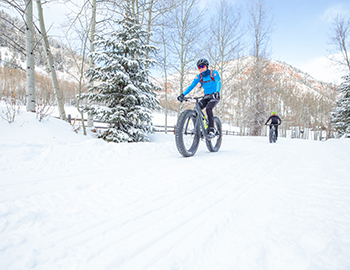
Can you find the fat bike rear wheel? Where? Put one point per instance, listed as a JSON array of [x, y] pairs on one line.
[[187, 135], [214, 144]]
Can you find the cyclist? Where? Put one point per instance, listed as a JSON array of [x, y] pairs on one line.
[[211, 83], [275, 120]]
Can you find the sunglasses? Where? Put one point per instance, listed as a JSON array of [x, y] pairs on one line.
[[201, 66]]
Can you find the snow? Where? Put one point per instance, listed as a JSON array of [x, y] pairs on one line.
[[69, 201]]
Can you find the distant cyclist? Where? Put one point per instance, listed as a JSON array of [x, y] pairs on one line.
[[275, 120], [211, 83]]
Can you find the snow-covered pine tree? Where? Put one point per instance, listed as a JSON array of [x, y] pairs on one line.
[[123, 93], [340, 117]]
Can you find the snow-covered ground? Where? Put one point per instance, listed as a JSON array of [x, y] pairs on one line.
[[74, 202]]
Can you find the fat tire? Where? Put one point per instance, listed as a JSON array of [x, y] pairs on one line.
[[214, 144], [188, 116], [272, 137]]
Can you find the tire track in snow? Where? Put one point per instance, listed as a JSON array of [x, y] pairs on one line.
[[205, 205], [140, 220], [80, 236]]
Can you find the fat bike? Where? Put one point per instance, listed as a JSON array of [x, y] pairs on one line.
[[192, 126], [272, 134]]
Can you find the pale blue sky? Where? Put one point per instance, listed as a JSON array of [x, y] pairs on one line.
[[301, 33]]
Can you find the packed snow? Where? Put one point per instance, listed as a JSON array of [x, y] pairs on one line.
[[69, 201]]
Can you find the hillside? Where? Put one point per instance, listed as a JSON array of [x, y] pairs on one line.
[[12, 49], [13, 64], [240, 69]]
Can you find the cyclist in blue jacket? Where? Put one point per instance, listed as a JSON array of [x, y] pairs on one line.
[[211, 83]]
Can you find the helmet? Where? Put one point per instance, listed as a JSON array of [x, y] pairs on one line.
[[273, 113], [203, 61]]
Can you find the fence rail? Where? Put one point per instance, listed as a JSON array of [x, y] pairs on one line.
[[292, 133], [157, 128]]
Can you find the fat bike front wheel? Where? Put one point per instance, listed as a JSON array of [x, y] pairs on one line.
[[187, 134], [214, 144], [272, 137]]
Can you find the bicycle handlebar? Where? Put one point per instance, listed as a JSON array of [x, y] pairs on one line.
[[196, 98]]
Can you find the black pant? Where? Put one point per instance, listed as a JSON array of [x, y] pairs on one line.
[[209, 103], [276, 128]]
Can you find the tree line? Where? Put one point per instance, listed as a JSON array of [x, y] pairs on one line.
[[182, 35]]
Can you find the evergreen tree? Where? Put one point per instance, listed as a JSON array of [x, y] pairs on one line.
[[123, 91], [340, 118]]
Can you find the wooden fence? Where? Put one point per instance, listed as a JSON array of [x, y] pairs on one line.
[[290, 133], [157, 128]]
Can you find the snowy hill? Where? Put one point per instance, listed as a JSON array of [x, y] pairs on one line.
[[65, 68], [74, 202], [283, 72], [240, 69]]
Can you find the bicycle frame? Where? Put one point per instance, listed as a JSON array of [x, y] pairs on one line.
[[199, 117]]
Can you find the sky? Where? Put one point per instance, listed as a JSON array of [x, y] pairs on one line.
[[300, 35], [69, 201]]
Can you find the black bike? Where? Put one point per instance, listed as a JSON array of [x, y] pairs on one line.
[[272, 134], [192, 126]]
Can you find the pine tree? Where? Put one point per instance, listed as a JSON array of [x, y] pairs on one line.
[[340, 118], [123, 89]]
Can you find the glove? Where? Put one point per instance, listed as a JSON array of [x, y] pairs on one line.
[[181, 97], [216, 96]]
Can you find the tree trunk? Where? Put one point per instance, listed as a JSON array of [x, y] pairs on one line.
[[30, 57], [165, 78], [149, 24], [58, 93], [92, 49]]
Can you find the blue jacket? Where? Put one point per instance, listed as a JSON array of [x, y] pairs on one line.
[[209, 87]]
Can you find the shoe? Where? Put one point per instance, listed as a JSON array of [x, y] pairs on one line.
[[211, 134]]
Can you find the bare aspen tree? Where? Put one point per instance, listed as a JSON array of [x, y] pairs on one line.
[[30, 107], [152, 12], [92, 49], [224, 45], [83, 25], [58, 93], [261, 27], [340, 39], [80, 88], [163, 61], [186, 36]]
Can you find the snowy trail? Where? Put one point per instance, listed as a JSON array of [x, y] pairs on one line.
[[253, 205]]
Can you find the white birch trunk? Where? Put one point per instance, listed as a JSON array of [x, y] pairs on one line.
[[90, 122], [58, 93], [30, 107]]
